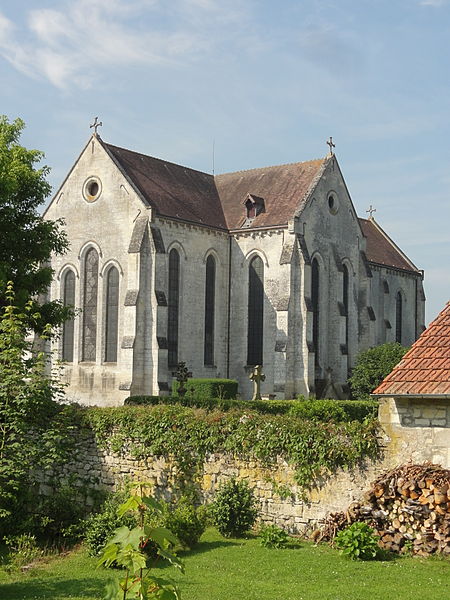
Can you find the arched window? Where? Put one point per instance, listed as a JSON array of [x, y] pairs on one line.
[[89, 339], [112, 314], [255, 312], [210, 285], [345, 287], [398, 317], [68, 297], [315, 291], [173, 303]]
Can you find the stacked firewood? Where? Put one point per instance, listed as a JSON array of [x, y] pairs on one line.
[[408, 507]]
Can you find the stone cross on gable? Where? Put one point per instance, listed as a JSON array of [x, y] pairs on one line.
[[370, 211], [95, 125], [257, 377], [330, 143]]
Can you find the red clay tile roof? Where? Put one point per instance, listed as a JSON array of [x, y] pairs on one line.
[[425, 368], [381, 249]]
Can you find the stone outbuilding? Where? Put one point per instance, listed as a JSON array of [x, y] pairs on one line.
[[415, 398]]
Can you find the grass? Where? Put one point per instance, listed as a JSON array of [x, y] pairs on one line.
[[231, 569]]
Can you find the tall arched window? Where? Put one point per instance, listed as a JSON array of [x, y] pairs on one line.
[[398, 317], [173, 303], [68, 326], [112, 314], [255, 312], [345, 287], [315, 298], [89, 339], [210, 285]]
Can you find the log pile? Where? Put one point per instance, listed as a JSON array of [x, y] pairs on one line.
[[408, 507]]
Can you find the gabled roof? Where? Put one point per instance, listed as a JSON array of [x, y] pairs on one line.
[[381, 249], [425, 368], [172, 190], [284, 189], [182, 193]]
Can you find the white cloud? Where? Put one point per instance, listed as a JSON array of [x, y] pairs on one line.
[[68, 46], [436, 3]]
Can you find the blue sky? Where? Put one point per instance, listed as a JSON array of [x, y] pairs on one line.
[[267, 81]]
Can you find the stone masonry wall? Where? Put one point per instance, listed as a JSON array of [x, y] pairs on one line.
[[412, 431]]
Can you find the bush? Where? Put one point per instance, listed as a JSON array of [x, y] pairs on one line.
[[22, 550], [233, 509], [186, 522], [209, 388], [273, 536], [358, 542], [99, 527], [319, 410], [372, 366]]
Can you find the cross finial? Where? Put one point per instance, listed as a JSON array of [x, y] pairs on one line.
[[96, 124], [330, 143], [370, 211]]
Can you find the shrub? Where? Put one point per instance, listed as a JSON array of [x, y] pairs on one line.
[[209, 388], [23, 549], [358, 542], [372, 366], [273, 536], [233, 509], [185, 521], [99, 527]]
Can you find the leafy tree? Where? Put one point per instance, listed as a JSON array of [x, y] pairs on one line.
[[372, 366], [33, 428], [27, 240]]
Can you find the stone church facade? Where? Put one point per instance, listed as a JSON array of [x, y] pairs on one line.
[[269, 266]]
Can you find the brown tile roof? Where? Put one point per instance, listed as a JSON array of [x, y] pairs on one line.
[[173, 190], [284, 189], [381, 249], [425, 368], [176, 191]]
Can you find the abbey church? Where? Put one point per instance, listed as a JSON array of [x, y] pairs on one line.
[[270, 266]]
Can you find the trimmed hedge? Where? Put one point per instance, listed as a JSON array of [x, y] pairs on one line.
[[203, 389], [317, 410]]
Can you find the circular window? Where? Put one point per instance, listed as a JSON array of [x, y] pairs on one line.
[[92, 189], [333, 204]]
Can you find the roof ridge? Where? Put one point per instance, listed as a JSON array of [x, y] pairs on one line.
[[162, 160], [301, 162]]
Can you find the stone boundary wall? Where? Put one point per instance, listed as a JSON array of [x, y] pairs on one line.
[[280, 500]]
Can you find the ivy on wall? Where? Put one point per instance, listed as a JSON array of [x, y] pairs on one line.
[[187, 435]]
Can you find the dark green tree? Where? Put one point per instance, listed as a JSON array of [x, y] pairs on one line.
[[27, 240], [372, 366]]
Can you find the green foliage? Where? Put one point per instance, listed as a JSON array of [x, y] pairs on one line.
[[187, 435], [100, 526], [318, 410], [126, 549], [204, 389], [358, 542], [27, 240], [372, 366], [33, 426], [234, 508], [273, 536], [185, 521], [23, 549]]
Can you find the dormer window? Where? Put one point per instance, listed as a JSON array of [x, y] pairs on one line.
[[254, 205]]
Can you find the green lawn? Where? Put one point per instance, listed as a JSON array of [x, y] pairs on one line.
[[222, 569]]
